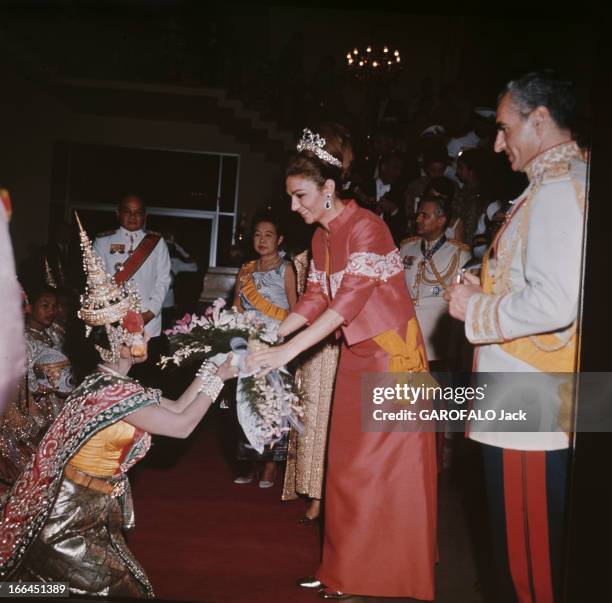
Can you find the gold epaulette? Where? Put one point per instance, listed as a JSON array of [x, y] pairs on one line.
[[106, 233], [154, 232], [463, 246], [410, 239], [557, 171]]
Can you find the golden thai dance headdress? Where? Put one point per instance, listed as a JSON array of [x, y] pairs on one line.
[[49, 278], [107, 303]]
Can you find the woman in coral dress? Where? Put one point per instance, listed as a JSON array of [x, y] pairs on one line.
[[380, 498]]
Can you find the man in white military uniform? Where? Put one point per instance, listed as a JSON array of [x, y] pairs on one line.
[[431, 262], [140, 257], [522, 317]]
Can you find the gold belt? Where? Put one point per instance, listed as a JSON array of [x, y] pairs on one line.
[[94, 483]]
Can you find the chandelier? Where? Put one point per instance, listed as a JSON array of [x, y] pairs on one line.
[[373, 63]]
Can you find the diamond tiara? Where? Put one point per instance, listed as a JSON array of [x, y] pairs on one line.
[[311, 141]]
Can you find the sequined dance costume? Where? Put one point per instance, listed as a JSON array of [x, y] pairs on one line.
[[64, 518], [40, 398], [316, 375]]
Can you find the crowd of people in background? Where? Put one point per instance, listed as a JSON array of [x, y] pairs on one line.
[[397, 221]]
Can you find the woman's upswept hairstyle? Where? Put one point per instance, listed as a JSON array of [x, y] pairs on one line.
[[307, 164]]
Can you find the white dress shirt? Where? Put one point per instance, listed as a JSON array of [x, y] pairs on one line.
[[151, 280]]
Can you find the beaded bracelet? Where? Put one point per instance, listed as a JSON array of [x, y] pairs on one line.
[[211, 383]]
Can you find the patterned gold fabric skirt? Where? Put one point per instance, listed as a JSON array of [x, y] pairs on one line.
[[26, 420], [306, 452], [82, 543]]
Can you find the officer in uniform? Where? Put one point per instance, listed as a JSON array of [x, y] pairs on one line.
[[431, 261], [522, 316], [140, 257]]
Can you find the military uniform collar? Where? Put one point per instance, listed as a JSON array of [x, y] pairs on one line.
[[126, 233], [564, 152], [430, 244]]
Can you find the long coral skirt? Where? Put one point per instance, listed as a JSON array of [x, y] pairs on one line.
[[380, 509]]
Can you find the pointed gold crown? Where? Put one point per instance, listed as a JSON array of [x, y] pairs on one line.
[[105, 301], [49, 279]]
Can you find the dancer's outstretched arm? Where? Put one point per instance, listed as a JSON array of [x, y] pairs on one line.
[[278, 356], [178, 419]]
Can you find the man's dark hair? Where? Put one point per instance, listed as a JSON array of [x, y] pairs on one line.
[[544, 89], [385, 130], [387, 157], [441, 185], [443, 206], [132, 196], [437, 154], [475, 160]]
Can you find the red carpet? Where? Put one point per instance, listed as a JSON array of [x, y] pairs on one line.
[[200, 537]]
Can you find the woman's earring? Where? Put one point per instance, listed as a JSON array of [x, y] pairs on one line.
[[328, 201]]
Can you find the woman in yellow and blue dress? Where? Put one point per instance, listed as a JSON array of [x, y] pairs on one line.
[[266, 286]]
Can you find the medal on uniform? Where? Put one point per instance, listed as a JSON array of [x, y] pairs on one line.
[[435, 290], [118, 266], [117, 248]]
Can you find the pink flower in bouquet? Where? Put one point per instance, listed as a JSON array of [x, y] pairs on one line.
[[217, 305], [181, 326]]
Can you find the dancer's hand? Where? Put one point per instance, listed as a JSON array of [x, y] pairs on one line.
[[226, 371], [147, 316]]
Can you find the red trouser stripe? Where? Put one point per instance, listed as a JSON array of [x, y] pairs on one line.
[[515, 525], [537, 509], [527, 525]]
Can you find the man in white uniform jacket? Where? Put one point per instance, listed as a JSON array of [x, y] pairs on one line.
[[431, 263], [151, 276], [522, 317]]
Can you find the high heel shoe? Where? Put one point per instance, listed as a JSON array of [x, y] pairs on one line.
[[334, 594], [307, 520], [310, 582]]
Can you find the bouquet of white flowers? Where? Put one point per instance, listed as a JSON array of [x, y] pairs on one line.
[[267, 406]]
